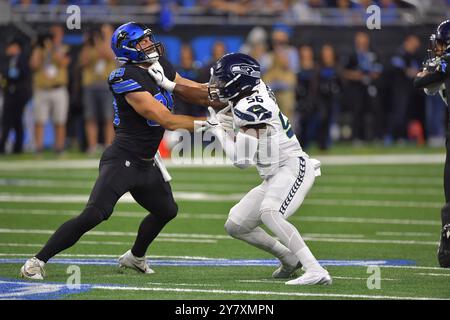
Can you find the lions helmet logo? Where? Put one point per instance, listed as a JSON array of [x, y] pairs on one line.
[[245, 69]]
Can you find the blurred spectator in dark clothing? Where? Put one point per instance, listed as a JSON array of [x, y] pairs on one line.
[[218, 50], [327, 88], [405, 64], [17, 93], [362, 71], [305, 102], [189, 69]]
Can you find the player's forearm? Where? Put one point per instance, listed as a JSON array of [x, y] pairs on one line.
[[424, 80], [174, 122], [240, 150], [197, 96]]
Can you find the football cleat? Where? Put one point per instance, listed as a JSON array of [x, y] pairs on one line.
[[286, 271], [312, 278], [128, 260], [444, 247], [33, 269]]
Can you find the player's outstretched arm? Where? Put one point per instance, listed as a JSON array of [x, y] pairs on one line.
[[188, 90], [240, 149], [150, 108], [426, 78]]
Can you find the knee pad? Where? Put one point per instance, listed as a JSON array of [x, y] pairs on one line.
[[234, 229], [270, 204], [268, 215]]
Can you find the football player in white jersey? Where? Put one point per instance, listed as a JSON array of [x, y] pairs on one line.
[[263, 135]]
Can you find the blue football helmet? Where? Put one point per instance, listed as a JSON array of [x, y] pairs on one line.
[[125, 44], [233, 74], [440, 40]]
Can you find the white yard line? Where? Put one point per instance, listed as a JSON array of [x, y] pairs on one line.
[[211, 197], [282, 281], [70, 255], [239, 292], [262, 293], [445, 272], [223, 216], [326, 160], [434, 274], [119, 233], [174, 236], [406, 234], [367, 220], [184, 284]]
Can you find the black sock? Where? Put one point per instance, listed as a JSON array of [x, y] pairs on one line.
[[150, 227], [69, 233]]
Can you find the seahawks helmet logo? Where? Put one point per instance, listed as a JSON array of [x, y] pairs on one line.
[[246, 70]]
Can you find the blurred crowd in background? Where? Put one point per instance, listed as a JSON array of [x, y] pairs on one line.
[[50, 89], [240, 7]]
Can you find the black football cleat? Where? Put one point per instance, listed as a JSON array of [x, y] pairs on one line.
[[444, 247]]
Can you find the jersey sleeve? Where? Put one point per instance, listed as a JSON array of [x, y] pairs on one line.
[[169, 70], [124, 80], [252, 110]]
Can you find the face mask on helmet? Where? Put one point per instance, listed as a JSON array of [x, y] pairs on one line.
[[436, 48], [152, 51], [216, 88], [134, 43]]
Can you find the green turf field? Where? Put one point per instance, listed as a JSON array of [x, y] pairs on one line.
[[357, 212]]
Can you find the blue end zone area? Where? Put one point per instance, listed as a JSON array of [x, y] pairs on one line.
[[222, 262], [11, 289]]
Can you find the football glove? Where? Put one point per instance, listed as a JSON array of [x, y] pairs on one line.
[[156, 71], [214, 120], [431, 64], [226, 121]]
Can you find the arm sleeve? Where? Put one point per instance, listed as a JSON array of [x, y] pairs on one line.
[[242, 151], [125, 80], [169, 70], [429, 79]]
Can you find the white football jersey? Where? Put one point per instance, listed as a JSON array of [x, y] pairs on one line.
[[277, 143]]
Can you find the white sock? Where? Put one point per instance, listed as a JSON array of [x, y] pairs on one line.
[[308, 260], [290, 237], [284, 254]]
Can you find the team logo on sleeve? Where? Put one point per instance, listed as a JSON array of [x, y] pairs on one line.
[[260, 112], [245, 69]]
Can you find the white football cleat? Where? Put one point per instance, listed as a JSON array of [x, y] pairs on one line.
[[285, 271], [128, 260], [33, 269], [311, 278]]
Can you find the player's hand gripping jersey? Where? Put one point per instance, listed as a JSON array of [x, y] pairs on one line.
[[277, 143]]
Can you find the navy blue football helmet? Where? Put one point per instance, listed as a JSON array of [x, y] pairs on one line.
[[125, 44], [233, 74], [440, 41]]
